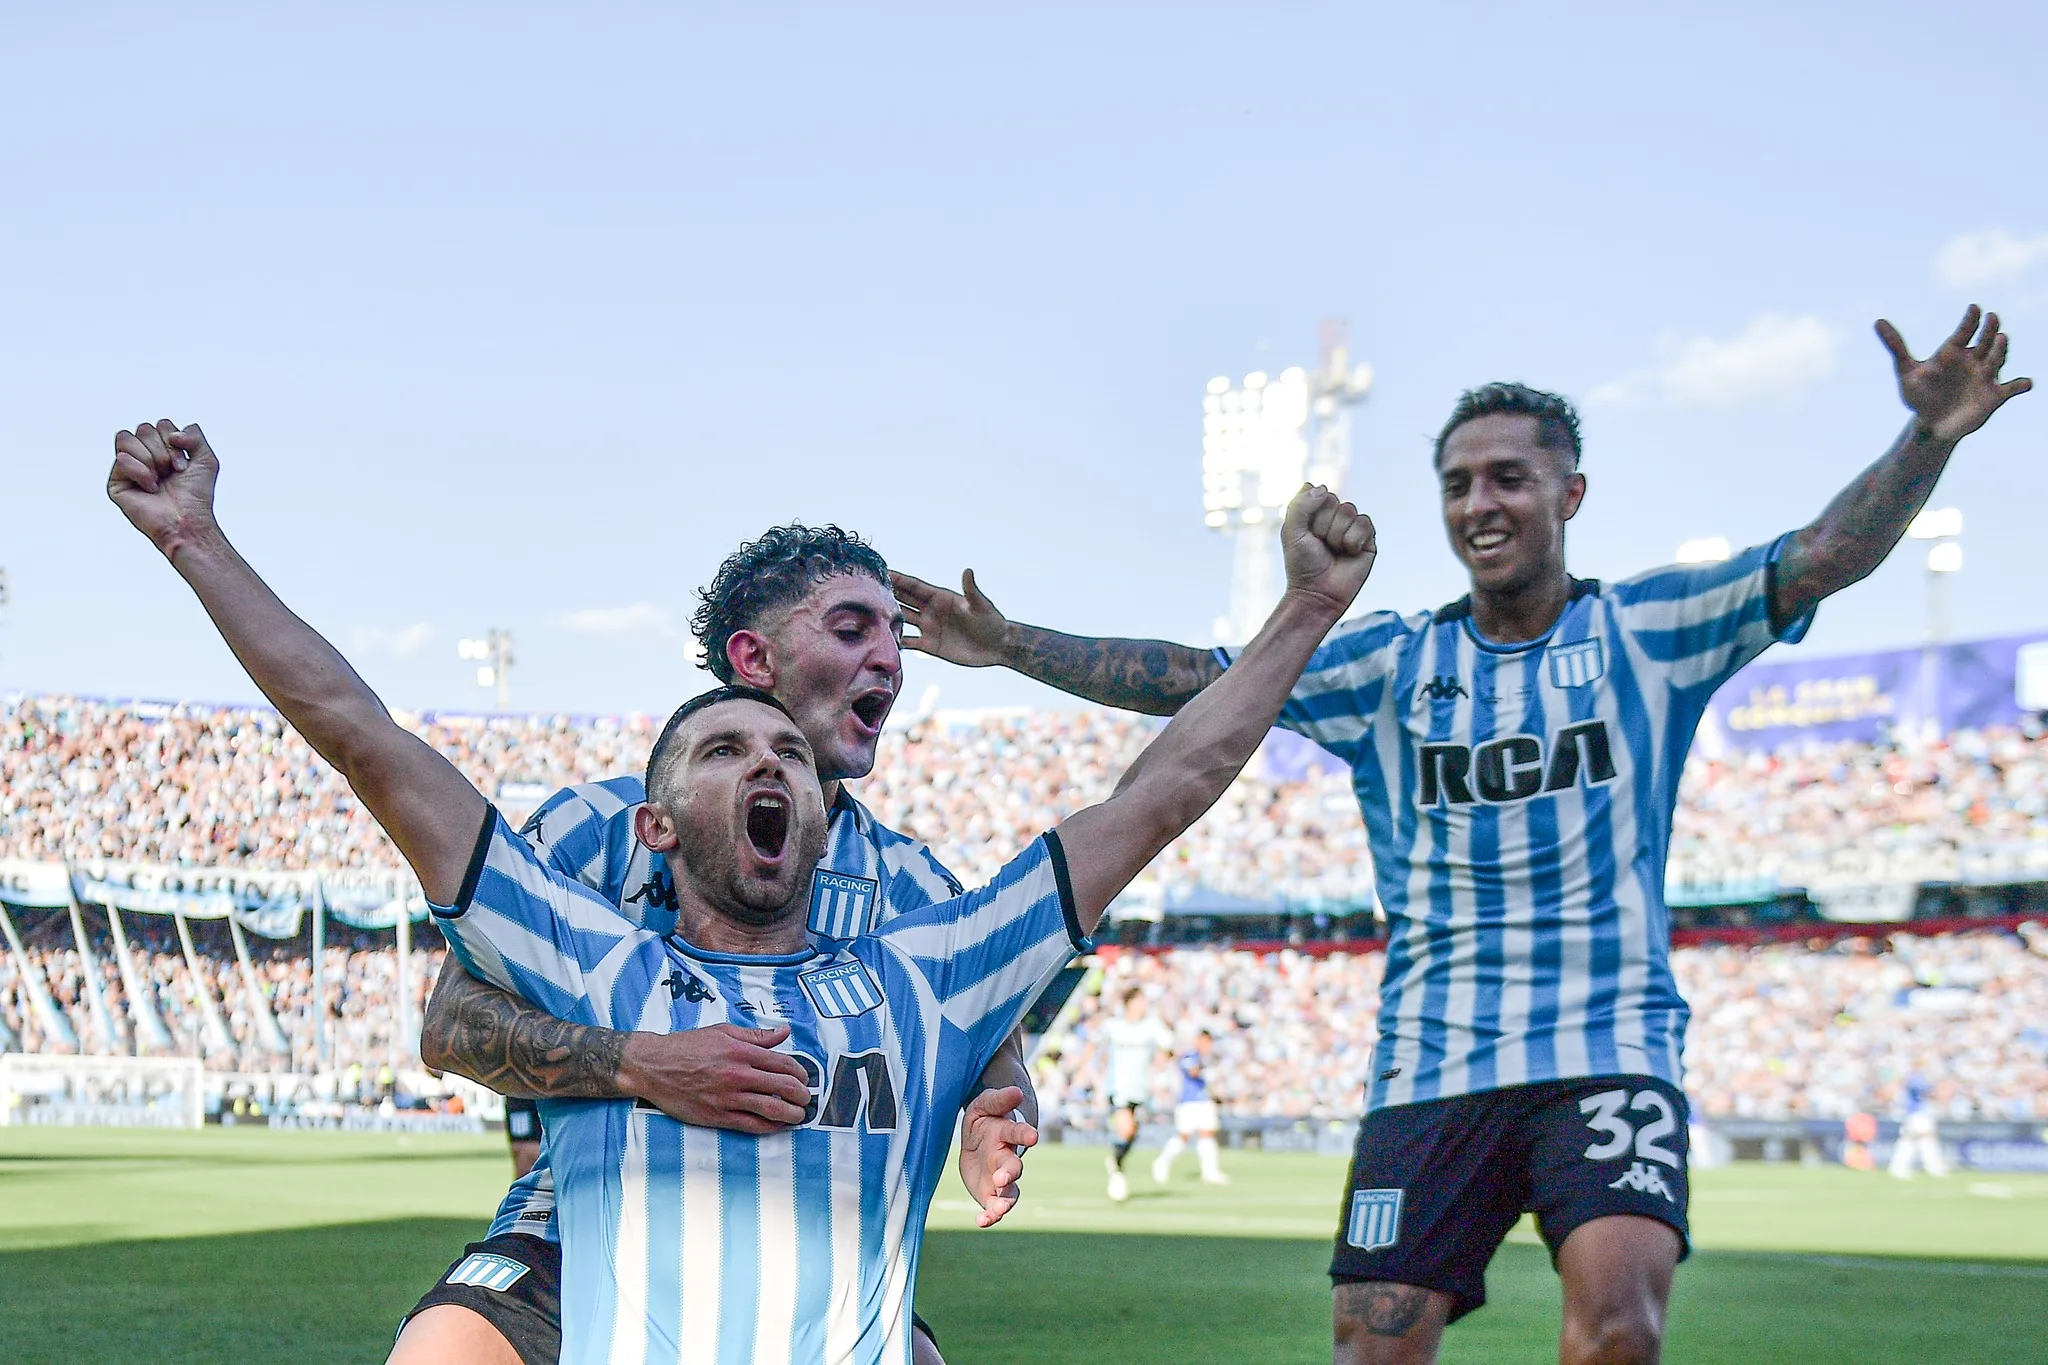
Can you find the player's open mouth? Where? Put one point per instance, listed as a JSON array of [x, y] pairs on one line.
[[1486, 542], [768, 825], [872, 708]]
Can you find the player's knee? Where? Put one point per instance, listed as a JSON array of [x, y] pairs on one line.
[[1617, 1338], [1387, 1324], [447, 1333]]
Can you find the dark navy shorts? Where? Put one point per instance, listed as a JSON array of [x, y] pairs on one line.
[[1436, 1186]]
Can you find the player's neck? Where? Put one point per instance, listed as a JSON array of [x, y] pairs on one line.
[[1522, 614], [702, 925]]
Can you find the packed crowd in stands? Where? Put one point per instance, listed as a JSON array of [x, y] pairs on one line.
[[1969, 807], [230, 787], [1777, 1033], [213, 1016]]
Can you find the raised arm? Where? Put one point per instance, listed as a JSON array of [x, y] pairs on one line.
[[1951, 393], [965, 628], [1330, 549], [163, 481]]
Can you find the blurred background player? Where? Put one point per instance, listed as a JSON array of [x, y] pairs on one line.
[[1194, 1114], [1135, 1039], [1919, 1141], [1516, 755]]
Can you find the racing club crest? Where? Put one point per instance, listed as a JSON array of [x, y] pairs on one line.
[[1576, 664], [841, 906], [1375, 1219]]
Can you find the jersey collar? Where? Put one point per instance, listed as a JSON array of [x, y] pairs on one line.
[[1461, 611]]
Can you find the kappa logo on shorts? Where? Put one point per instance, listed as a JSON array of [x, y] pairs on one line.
[[1375, 1219], [841, 906], [1645, 1178], [488, 1271]]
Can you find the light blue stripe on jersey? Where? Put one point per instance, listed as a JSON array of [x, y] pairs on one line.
[[1518, 800], [684, 1243], [586, 832]]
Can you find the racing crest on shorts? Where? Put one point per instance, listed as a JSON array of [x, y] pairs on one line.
[[1375, 1219], [841, 906], [487, 1271]]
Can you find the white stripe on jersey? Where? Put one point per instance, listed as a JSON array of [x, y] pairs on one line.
[[1518, 800], [629, 1252]]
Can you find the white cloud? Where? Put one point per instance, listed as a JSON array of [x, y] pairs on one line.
[[1975, 258], [642, 618], [399, 644], [1774, 356]]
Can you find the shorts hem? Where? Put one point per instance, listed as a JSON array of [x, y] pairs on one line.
[[1462, 1302], [1554, 1231]]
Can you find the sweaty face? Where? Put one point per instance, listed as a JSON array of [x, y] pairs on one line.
[[838, 664], [1506, 499], [748, 812]]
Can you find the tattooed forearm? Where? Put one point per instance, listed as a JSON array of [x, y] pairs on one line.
[[479, 1031], [1860, 527], [1381, 1308], [1150, 676]]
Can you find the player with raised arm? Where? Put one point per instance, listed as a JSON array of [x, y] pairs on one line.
[[1516, 755], [685, 1241], [804, 614]]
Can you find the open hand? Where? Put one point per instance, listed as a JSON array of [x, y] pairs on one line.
[[1955, 390], [162, 481], [1330, 546], [992, 1146], [960, 627]]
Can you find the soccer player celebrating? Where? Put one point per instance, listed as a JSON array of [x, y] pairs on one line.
[[1134, 1039], [804, 614], [1196, 1116], [684, 1240], [1517, 756]]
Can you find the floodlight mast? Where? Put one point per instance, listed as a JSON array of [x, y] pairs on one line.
[[1261, 440]]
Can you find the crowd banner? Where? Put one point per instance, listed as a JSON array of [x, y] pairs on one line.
[[270, 905], [1863, 697], [1889, 903]]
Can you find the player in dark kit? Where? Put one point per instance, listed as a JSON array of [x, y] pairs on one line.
[[1516, 755]]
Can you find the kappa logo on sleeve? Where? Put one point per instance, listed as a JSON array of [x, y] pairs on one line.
[[841, 906], [1375, 1220], [488, 1271]]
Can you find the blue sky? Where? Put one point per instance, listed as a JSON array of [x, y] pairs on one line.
[[512, 317]]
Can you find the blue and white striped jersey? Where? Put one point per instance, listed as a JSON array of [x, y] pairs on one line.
[[1518, 800], [692, 1244], [869, 874]]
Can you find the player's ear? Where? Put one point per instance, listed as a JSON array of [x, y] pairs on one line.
[[656, 828], [752, 663], [1574, 493]]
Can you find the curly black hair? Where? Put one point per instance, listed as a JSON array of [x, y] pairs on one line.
[[773, 572], [1557, 421]]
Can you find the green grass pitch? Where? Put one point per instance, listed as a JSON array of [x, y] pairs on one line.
[[305, 1247]]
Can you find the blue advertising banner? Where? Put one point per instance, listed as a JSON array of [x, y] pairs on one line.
[[1968, 685]]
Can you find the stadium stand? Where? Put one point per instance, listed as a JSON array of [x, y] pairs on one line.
[[1785, 1030]]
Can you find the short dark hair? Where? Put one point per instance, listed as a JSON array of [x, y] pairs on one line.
[[1557, 420], [658, 756], [774, 571]]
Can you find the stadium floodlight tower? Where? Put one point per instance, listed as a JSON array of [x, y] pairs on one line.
[[1261, 440]]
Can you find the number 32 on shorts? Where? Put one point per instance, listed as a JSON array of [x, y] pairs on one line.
[[1604, 1112]]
